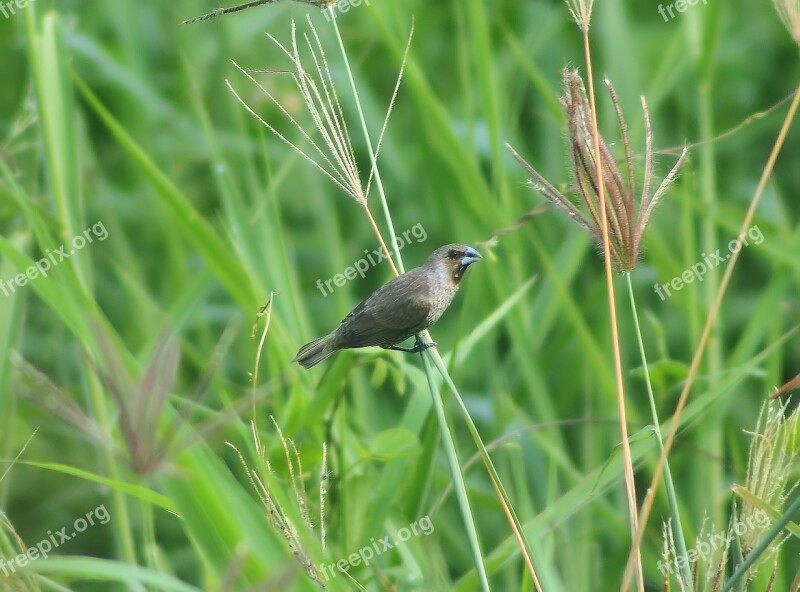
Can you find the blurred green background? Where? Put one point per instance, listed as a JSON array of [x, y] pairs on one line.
[[133, 358]]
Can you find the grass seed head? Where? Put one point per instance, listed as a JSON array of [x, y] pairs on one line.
[[581, 11], [626, 215]]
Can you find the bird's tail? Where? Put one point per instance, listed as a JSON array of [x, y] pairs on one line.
[[314, 352]]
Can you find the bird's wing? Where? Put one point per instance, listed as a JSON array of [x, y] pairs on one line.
[[392, 311]]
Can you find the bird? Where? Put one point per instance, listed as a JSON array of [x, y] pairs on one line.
[[399, 309]]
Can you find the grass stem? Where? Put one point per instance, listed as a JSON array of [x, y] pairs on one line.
[[672, 498], [511, 515], [623, 420], [458, 477]]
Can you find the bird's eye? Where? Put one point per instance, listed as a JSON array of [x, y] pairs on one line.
[[455, 255]]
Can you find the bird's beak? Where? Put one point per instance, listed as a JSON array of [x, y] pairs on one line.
[[470, 257]]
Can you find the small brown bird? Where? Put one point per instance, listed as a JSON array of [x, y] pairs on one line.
[[403, 307]]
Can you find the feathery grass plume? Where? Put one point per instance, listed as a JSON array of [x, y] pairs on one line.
[[334, 155], [711, 552], [11, 543], [626, 219], [774, 449], [772, 453], [277, 515], [581, 11], [9, 549], [707, 571], [789, 11]]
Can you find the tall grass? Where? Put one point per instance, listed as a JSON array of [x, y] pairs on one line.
[[134, 356]]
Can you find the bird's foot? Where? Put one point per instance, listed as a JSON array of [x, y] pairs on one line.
[[418, 347]]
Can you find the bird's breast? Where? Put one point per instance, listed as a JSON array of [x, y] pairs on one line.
[[440, 299]]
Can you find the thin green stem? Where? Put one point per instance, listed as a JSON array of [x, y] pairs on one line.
[[487, 461], [672, 498], [458, 478]]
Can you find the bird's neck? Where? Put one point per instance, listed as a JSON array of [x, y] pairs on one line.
[[459, 274]]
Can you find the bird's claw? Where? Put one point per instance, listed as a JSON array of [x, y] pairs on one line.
[[422, 346], [418, 347]]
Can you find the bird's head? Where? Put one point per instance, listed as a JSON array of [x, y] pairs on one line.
[[453, 260]]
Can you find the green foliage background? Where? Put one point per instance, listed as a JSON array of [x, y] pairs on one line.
[[114, 112]]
